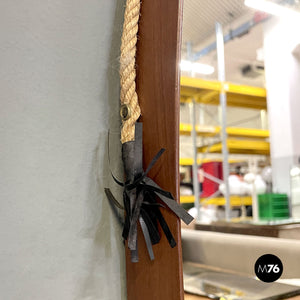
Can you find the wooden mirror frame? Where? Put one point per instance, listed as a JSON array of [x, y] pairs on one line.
[[158, 83]]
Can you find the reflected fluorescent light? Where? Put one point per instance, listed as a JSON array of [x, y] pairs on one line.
[[188, 66], [271, 8]]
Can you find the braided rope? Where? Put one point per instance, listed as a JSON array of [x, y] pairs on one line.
[[127, 69]]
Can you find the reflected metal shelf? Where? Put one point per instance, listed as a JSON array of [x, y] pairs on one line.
[[210, 131], [234, 200], [207, 92], [236, 146]]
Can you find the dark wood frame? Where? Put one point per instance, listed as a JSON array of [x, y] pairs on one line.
[[158, 53]]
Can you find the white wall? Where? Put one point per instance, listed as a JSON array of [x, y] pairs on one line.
[[282, 82], [59, 95]]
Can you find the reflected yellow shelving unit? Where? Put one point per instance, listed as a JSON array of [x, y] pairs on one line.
[[207, 92], [240, 140], [210, 131], [190, 161], [239, 147], [234, 200]]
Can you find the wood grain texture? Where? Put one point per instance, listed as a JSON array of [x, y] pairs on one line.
[[158, 91]]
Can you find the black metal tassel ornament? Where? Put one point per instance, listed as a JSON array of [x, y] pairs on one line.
[[140, 199]]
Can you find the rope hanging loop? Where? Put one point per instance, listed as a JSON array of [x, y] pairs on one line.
[[128, 94]]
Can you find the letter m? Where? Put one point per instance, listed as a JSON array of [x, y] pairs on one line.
[[262, 269]]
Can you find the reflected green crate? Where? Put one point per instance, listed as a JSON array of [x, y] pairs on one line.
[[273, 206]]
